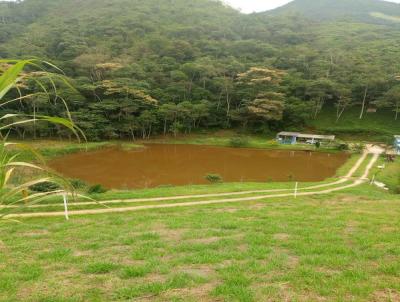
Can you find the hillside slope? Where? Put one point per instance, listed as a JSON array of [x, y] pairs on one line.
[[187, 55], [369, 11]]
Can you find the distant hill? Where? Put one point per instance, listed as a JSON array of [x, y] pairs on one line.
[[189, 54], [368, 11]]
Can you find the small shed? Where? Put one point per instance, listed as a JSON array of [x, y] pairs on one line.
[[397, 144], [292, 138]]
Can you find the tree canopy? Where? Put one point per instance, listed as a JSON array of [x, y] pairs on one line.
[[170, 66]]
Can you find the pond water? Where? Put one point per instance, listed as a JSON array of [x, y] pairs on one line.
[[160, 164]]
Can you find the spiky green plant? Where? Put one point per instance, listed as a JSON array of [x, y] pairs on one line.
[[13, 74]]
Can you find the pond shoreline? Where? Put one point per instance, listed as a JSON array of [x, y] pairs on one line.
[[53, 148]]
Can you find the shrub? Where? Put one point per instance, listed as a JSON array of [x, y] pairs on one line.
[[44, 187], [213, 178], [78, 184], [97, 189], [343, 147], [359, 148], [238, 141]]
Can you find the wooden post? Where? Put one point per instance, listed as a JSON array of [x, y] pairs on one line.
[[66, 206], [295, 189]]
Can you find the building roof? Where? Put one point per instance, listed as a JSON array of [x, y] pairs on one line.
[[307, 136]]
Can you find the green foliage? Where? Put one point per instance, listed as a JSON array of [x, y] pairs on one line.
[[358, 148], [214, 178], [390, 176], [144, 68], [369, 11], [14, 75], [78, 184], [44, 187], [96, 189], [342, 146], [239, 141]]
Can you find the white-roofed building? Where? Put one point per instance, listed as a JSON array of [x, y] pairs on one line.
[[292, 138]]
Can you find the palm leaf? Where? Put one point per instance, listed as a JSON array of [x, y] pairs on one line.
[[9, 162], [10, 77]]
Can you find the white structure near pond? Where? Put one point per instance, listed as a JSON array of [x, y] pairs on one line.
[[397, 144], [292, 138]]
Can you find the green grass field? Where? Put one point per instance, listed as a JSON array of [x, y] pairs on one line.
[[342, 246], [379, 126], [391, 175], [336, 247]]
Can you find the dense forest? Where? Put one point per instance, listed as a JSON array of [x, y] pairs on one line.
[[142, 68]]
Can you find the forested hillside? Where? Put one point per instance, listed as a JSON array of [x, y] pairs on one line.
[[369, 11], [168, 66]]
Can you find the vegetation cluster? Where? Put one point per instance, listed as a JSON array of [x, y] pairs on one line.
[[143, 68]]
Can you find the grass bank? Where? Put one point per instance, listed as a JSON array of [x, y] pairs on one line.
[[391, 175], [51, 149], [309, 249], [379, 126], [231, 139]]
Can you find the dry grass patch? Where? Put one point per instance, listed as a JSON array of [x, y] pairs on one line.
[[281, 237], [386, 296]]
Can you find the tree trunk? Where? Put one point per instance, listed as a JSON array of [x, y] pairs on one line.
[[363, 103], [340, 113], [132, 134], [228, 104], [219, 100], [317, 108]]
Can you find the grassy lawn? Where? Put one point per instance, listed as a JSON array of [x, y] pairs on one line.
[[336, 247], [391, 175], [379, 126]]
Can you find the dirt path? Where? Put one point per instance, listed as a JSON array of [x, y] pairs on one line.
[[356, 183]]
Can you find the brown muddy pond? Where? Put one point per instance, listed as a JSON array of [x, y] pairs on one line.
[[159, 164]]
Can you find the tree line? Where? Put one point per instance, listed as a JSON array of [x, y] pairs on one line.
[[143, 68]]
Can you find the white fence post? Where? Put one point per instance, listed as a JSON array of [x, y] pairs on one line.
[[373, 180], [66, 206], [295, 189]]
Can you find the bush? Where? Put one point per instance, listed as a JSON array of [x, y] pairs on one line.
[[97, 189], [44, 187], [238, 141], [343, 147], [358, 148], [213, 178], [78, 184]]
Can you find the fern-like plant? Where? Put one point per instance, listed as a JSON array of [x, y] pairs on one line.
[[14, 192]]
